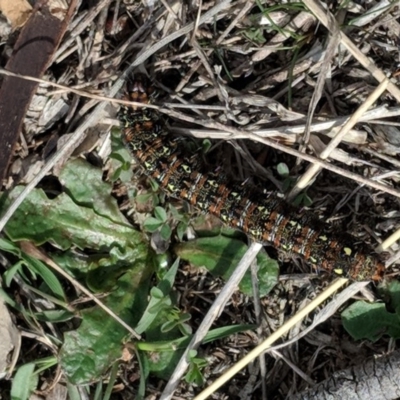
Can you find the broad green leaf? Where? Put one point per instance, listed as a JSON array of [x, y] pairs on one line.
[[90, 350], [24, 382], [113, 245], [62, 222], [83, 182], [160, 214], [95, 225], [181, 229], [220, 255], [165, 232], [152, 224], [370, 321]]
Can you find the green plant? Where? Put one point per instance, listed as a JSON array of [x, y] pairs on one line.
[[302, 199], [363, 320], [196, 364]]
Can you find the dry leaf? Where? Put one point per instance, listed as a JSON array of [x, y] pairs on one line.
[[8, 337], [17, 11]]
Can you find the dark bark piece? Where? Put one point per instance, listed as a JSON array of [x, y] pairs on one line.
[[378, 379], [32, 55]]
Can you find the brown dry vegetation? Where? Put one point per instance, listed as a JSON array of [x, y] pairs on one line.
[[276, 84]]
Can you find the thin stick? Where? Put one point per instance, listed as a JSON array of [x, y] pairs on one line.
[[313, 169], [330, 290], [328, 20], [213, 313]]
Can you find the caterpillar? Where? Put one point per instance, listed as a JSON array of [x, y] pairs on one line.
[[261, 214]]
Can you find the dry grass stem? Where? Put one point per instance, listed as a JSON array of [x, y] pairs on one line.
[[314, 169], [266, 344]]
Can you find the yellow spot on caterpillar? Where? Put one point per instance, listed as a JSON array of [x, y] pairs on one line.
[[213, 183], [255, 232], [338, 271], [347, 251], [186, 168]]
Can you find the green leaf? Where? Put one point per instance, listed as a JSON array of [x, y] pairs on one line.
[[391, 293], [220, 255], [287, 184], [144, 373], [117, 252], [144, 198], [181, 229], [154, 185], [160, 292], [47, 275], [283, 170], [24, 382], [151, 224], [160, 214], [159, 305], [9, 247], [194, 375], [307, 200], [98, 394], [165, 232], [298, 200], [156, 293], [43, 364], [370, 321], [206, 145], [10, 273], [36, 266], [196, 364], [185, 329], [66, 224], [182, 342], [54, 316], [89, 351], [302, 199], [83, 182], [111, 381], [73, 392], [169, 326]]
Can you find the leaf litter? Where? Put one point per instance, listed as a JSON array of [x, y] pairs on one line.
[[254, 65]]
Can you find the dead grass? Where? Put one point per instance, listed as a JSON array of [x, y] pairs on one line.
[[298, 84]]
